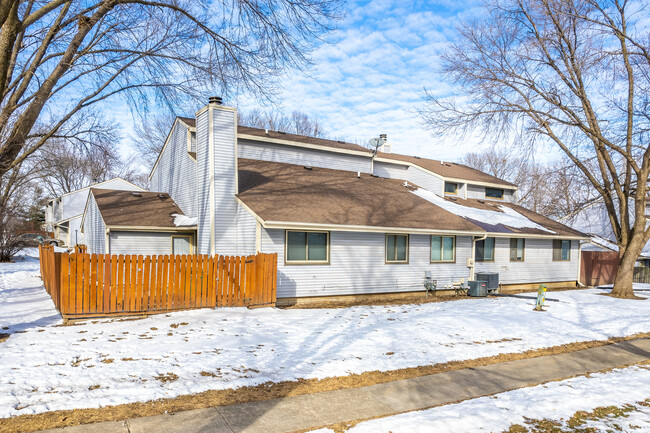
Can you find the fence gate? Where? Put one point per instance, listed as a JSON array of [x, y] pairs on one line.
[[92, 285]]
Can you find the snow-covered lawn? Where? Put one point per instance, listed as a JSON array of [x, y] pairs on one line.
[[557, 401], [49, 367]]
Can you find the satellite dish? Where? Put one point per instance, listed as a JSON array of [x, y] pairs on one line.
[[376, 142]]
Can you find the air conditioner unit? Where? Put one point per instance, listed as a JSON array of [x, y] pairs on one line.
[[470, 262]]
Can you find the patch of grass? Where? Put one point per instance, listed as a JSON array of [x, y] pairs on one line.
[[167, 377]]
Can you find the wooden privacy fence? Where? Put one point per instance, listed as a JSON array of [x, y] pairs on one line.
[[598, 267], [641, 274], [92, 285]]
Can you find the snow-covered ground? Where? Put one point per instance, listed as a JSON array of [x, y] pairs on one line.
[[106, 362], [556, 401]]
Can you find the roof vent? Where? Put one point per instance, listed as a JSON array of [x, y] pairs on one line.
[[136, 194], [341, 141], [482, 201], [282, 132], [442, 162], [307, 167], [162, 196], [215, 100], [266, 132], [452, 198]]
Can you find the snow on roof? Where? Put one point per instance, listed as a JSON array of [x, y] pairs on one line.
[[184, 220], [507, 217]]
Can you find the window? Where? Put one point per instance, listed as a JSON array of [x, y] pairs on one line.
[[397, 248], [484, 250], [307, 247], [451, 188], [182, 245], [443, 248], [517, 247], [561, 250], [493, 193]]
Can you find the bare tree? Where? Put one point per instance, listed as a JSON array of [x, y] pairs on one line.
[[65, 168], [295, 123], [573, 74], [60, 58]]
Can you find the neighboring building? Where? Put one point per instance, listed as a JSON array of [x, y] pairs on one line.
[[63, 214], [134, 222], [342, 219]]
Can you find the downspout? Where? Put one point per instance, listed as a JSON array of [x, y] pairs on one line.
[[474, 239], [108, 241], [579, 283]]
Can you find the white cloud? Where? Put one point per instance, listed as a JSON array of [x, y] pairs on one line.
[[371, 80]]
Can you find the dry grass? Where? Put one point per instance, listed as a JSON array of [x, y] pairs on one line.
[[395, 300], [267, 391]]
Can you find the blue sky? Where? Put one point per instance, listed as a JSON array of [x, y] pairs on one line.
[[370, 78]]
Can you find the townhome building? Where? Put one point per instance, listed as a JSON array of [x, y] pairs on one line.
[[343, 219]]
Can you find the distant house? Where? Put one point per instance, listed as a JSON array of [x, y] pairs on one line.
[[63, 214], [344, 220]]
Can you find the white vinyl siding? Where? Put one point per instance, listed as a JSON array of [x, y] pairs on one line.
[[412, 174], [94, 229], [74, 232], [203, 183], [225, 165], [143, 243], [73, 204], [175, 172], [538, 265], [478, 192], [357, 265], [302, 156]]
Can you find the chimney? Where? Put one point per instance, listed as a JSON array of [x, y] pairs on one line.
[[215, 100], [216, 179], [384, 146]]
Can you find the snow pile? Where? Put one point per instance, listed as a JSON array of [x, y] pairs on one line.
[[106, 362], [508, 217], [554, 400], [184, 220]]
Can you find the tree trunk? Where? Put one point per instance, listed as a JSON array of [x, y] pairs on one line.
[[624, 277]]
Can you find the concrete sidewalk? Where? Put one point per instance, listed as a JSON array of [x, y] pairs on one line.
[[317, 410]]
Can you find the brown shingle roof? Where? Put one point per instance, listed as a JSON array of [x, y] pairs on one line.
[[301, 139], [290, 193], [189, 121], [279, 192], [448, 169], [135, 208]]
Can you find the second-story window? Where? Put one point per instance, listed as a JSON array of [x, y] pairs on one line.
[[494, 193], [451, 188]]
